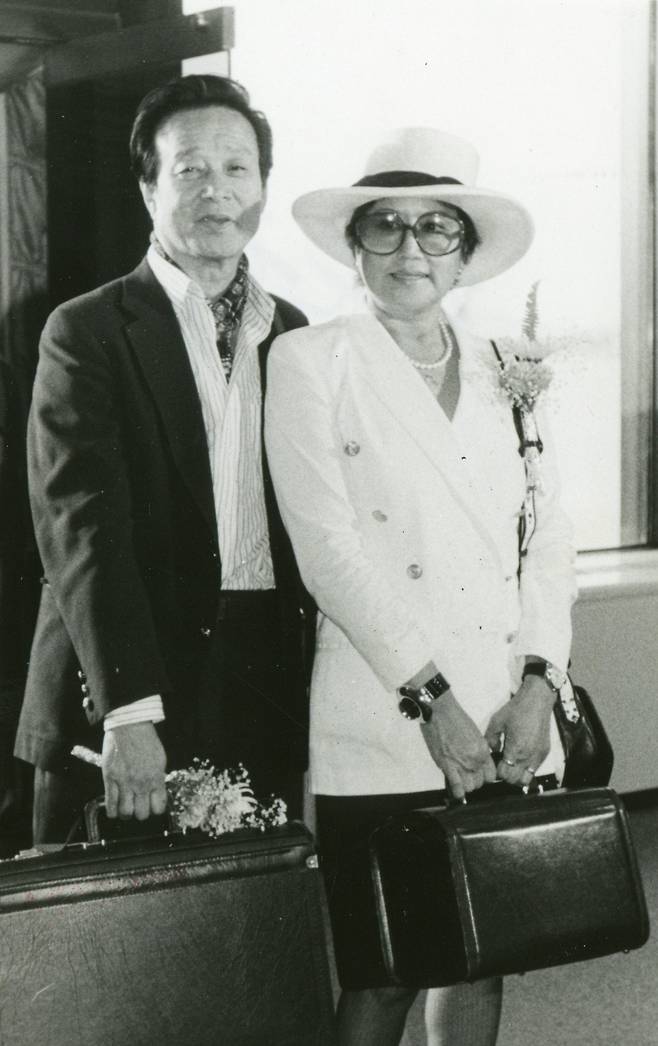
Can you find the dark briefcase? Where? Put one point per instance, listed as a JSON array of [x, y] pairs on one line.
[[505, 886], [167, 941]]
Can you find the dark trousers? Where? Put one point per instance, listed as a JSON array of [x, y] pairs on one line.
[[237, 714], [15, 800]]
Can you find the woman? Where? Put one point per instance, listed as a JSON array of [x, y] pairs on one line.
[[396, 462]]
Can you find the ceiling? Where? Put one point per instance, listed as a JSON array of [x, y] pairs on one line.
[[28, 29]]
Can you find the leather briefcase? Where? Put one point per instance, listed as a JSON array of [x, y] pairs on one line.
[[505, 886], [167, 940]]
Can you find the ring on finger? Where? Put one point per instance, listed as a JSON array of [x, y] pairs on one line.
[[530, 770], [510, 762]]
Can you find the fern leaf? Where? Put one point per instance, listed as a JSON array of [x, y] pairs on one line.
[[531, 314]]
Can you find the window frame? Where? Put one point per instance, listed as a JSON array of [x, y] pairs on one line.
[[633, 568]]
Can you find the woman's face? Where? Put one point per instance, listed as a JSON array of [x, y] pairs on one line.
[[409, 280]]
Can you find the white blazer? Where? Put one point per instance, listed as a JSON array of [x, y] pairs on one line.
[[405, 529]]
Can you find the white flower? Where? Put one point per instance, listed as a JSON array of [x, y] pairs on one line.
[[523, 381], [218, 801], [522, 375]]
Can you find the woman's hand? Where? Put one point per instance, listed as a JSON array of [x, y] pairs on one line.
[[457, 747], [525, 723]]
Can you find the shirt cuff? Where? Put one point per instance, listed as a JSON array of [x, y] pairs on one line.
[[147, 709]]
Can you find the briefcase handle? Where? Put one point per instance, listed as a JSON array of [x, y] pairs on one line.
[[497, 789], [156, 825], [95, 808]]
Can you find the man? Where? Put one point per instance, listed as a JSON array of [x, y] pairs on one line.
[[172, 623]]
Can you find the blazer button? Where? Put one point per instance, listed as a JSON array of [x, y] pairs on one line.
[[82, 676], [380, 516], [88, 704], [84, 688], [351, 448], [205, 632], [414, 571]]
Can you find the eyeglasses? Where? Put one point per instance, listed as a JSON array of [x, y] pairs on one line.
[[383, 232]]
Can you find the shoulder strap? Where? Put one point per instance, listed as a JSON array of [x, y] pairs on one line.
[[530, 447], [522, 429]]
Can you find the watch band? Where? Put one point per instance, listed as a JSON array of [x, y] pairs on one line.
[[416, 702], [551, 674]]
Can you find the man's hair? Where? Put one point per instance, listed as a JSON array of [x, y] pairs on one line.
[[185, 93]]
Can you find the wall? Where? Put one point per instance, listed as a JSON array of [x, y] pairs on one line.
[[615, 656]]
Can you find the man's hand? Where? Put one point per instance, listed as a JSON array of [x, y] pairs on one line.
[[457, 747], [134, 764], [525, 724]]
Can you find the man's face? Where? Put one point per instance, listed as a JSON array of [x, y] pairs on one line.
[[207, 199]]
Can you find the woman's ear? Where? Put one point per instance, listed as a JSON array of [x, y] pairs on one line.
[[458, 274]]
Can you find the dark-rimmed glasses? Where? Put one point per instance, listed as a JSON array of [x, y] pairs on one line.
[[383, 232]]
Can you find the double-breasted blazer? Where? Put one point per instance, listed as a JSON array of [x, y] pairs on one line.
[[124, 516], [405, 529]]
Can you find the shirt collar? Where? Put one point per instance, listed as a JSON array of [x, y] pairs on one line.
[[178, 285], [176, 280]]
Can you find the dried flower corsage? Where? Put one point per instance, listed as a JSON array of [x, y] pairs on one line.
[[523, 375], [219, 801], [523, 381]]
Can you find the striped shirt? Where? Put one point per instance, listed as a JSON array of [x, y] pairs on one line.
[[232, 420]]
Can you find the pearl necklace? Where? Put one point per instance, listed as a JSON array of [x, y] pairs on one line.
[[448, 345]]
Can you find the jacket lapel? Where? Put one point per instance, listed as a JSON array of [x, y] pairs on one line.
[[399, 388], [279, 542], [154, 333]]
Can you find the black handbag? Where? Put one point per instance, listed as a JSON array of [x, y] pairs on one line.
[[504, 886], [588, 754]]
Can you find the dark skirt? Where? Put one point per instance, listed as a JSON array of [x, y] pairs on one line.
[[344, 825]]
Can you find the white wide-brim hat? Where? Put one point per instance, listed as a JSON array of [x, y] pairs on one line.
[[423, 162]]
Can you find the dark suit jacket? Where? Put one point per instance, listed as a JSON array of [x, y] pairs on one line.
[[122, 502]]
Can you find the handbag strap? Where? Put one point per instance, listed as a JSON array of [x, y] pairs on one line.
[[530, 447]]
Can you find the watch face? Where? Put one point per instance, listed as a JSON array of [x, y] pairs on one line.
[[410, 709]]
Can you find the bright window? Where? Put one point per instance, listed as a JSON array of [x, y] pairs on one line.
[[556, 98]]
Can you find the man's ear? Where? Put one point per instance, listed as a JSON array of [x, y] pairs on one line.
[[146, 190]]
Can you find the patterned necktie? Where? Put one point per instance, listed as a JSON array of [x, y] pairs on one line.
[[227, 312], [227, 309]]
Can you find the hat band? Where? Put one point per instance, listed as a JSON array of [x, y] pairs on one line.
[[403, 179]]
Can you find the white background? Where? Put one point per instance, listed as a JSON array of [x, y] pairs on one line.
[[537, 87]]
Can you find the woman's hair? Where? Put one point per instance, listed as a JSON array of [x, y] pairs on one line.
[[469, 243], [192, 92]]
